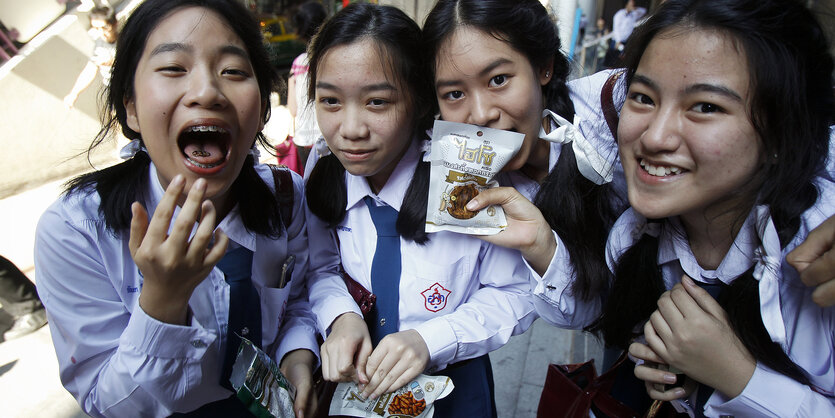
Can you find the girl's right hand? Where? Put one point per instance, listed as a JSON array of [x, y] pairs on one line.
[[173, 265], [527, 230], [346, 350]]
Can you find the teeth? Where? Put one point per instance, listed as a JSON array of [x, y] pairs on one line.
[[205, 128], [659, 171], [207, 166]]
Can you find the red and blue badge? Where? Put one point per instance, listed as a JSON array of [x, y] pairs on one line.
[[435, 297]]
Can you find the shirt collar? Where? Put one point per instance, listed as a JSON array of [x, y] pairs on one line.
[[394, 189], [232, 224], [673, 245]]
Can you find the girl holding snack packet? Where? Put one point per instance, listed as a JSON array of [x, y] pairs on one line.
[[442, 300], [498, 64], [150, 269]]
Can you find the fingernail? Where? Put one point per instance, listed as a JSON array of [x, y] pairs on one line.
[[178, 179], [669, 378], [679, 392], [472, 204]]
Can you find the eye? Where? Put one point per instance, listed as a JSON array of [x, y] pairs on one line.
[[377, 102], [707, 108], [236, 73], [171, 69], [453, 95], [329, 101], [498, 80], [641, 98]]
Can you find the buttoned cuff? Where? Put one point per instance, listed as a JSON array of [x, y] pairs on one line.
[[297, 338], [441, 341], [163, 340], [335, 306], [768, 393]]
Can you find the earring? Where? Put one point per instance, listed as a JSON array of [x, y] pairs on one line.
[[547, 74]]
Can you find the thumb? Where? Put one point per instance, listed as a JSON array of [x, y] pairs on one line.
[[817, 243], [494, 196], [363, 355]]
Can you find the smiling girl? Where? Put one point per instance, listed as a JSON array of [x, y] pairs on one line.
[[723, 140], [143, 312], [443, 300]]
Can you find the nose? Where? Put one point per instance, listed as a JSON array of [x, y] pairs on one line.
[[204, 90], [663, 132], [482, 111], [353, 126]]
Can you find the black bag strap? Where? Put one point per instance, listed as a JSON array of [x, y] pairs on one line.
[[284, 193]]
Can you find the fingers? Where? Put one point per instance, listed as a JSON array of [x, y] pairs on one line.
[[655, 342], [158, 228], [661, 395], [820, 270], [703, 301], [138, 227], [643, 352], [817, 243], [362, 360], [189, 214], [824, 295], [493, 196]]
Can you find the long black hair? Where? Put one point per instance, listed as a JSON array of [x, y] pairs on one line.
[[791, 109], [121, 184], [398, 38], [577, 209]]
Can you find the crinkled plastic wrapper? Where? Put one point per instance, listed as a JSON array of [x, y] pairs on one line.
[[415, 399], [464, 161], [260, 385]]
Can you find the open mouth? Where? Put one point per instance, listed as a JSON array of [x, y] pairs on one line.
[[205, 146], [660, 171]]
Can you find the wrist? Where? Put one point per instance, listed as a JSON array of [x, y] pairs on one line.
[[172, 311], [541, 252]]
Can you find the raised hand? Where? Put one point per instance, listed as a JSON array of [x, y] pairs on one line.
[[691, 332], [815, 261], [173, 265], [399, 358], [346, 350]]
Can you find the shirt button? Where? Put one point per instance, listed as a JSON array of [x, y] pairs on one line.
[[198, 343], [383, 322], [244, 331]]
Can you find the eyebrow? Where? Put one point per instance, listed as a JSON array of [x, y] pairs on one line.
[[179, 46], [368, 88], [694, 88], [485, 71]]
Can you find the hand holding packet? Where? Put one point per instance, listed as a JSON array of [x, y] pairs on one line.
[[415, 399], [464, 161]]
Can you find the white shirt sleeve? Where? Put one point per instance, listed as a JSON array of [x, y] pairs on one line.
[[113, 358], [553, 297], [771, 394]]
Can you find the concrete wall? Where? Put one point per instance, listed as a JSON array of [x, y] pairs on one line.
[[41, 139]]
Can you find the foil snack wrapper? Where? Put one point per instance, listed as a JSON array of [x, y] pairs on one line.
[[464, 161], [260, 385], [414, 400]]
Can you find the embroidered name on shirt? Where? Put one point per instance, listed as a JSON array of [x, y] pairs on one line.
[[343, 228], [435, 297], [133, 289]]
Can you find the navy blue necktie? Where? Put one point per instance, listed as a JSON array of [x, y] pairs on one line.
[[244, 307], [704, 391], [385, 272]]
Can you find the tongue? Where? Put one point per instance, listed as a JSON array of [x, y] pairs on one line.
[[204, 153]]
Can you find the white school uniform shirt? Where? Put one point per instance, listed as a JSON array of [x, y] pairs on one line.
[[806, 330], [552, 295], [486, 287], [118, 361]]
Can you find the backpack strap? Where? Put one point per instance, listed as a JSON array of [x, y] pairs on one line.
[[284, 193], [607, 103]]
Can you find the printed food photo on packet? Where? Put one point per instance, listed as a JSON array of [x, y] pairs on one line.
[[464, 161]]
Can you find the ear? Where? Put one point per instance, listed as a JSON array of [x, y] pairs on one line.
[[263, 115], [546, 72], [130, 110]]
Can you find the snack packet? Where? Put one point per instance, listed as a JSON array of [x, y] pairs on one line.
[[464, 160], [260, 385], [415, 399]]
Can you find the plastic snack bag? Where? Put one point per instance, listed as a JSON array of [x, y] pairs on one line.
[[464, 160], [260, 385], [415, 399]]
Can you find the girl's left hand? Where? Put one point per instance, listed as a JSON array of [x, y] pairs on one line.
[[297, 366], [656, 375], [691, 332], [399, 358]]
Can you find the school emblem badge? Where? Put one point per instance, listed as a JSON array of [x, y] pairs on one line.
[[435, 297]]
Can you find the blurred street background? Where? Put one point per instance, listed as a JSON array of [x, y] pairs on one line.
[[45, 45]]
